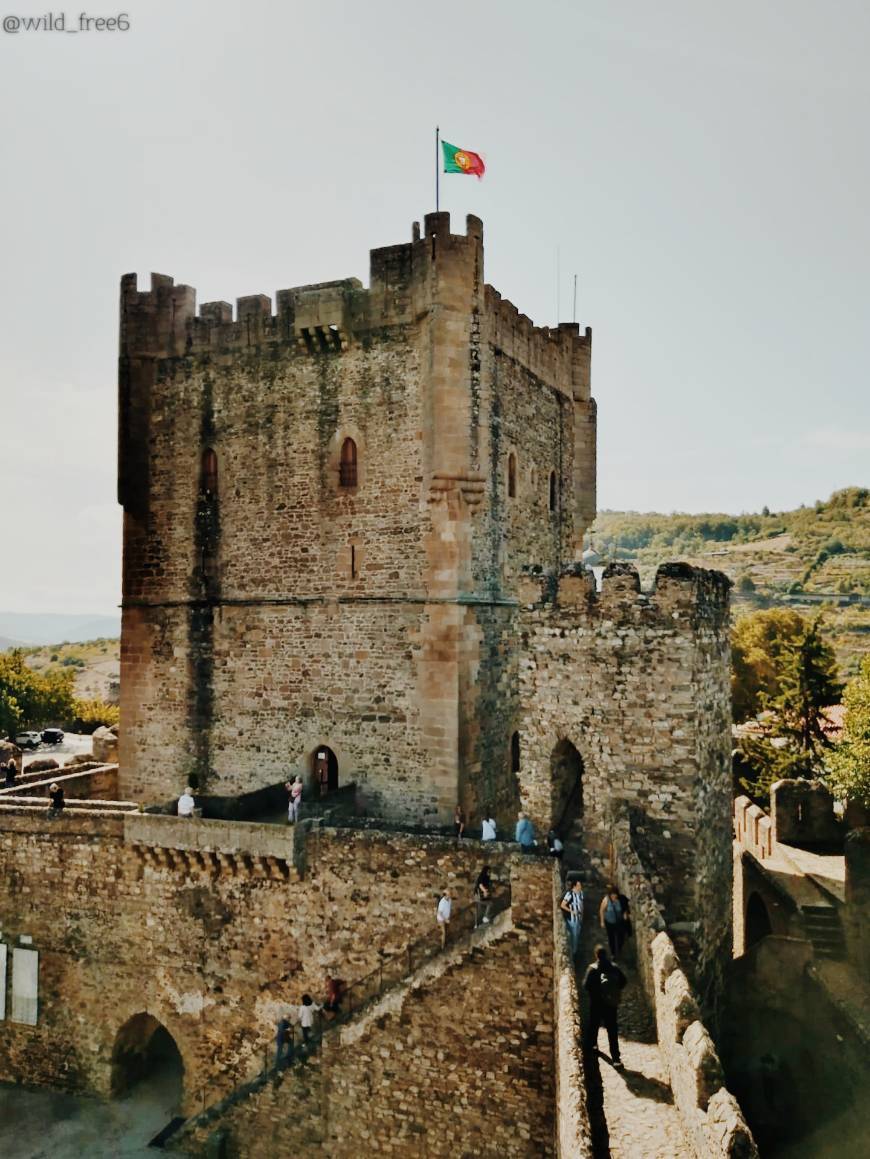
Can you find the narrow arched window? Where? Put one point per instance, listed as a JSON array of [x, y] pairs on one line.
[[553, 491], [512, 476], [347, 464], [209, 479], [515, 753]]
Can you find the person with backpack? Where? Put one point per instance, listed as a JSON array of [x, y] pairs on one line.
[[604, 983], [572, 906], [613, 916]]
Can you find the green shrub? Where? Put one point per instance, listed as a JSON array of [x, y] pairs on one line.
[[89, 715]]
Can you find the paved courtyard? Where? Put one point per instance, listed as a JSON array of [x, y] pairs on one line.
[[49, 1125]]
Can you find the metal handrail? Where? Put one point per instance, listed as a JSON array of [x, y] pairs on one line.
[[393, 969]]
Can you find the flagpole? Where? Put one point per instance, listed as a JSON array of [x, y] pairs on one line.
[[437, 170], [574, 314]]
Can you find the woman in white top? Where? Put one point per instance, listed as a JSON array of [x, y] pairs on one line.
[[305, 1016]]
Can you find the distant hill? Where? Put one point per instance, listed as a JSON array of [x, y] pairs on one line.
[[32, 628], [96, 664], [814, 558]]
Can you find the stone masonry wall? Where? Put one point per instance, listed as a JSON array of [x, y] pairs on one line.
[[639, 684], [711, 1116], [211, 942], [573, 1129], [462, 1064]]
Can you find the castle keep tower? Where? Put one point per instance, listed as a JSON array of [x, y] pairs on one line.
[[327, 515]]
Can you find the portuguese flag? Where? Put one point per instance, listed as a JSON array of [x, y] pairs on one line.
[[462, 160]]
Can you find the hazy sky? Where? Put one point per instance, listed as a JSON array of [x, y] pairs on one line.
[[703, 167]]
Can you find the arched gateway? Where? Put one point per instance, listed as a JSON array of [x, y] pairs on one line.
[[145, 1050], [566, 785]]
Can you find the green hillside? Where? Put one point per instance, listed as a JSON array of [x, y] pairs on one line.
[[814, 558]]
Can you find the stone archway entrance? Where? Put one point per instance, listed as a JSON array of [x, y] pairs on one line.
[[758, 924], [324, 764], [566, 786], [146, 1053]]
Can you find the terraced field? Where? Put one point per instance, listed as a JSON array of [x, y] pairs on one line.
[[816, 559]]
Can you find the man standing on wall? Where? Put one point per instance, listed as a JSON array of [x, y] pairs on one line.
[[604, 983]]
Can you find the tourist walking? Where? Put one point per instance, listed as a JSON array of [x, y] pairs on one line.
[[458, 822], [483, 890], [525, 833], [283, 1043], [305, 1017], [186, 803], [613, 916], [442, 915], [488, 829], [572, 906], [55, 794], [335, 990], [604, 983]]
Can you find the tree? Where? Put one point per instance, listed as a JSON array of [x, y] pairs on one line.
[[790, 673], [758, 641], [29, 700], [849, 762], [808, 682]]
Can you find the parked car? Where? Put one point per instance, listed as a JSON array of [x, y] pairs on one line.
[[52, 736], [28, 740]]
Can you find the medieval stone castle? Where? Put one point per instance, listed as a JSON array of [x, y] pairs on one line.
[[353, 534]]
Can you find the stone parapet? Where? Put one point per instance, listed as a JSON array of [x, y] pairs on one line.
[[573, 1130], [681, 596]]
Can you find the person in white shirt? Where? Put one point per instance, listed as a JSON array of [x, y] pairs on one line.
[[442, 915], [305, 1016], [487, 829], [186, 803]]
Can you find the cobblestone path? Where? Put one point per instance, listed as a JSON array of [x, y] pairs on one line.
[[632, 1109]]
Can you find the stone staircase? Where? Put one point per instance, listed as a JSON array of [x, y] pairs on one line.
[[375, 998], [824, 929]]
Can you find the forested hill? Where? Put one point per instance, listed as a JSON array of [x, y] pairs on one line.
[[817, 557]]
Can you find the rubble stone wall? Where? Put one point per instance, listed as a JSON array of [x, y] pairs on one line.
[[201, 926], [639, 684], [462, 1063], [711, 1116], [269, 609]]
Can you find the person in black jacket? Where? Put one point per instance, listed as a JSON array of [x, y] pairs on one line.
[[604, 983]]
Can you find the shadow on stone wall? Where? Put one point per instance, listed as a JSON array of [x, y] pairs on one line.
[[790, 1058]]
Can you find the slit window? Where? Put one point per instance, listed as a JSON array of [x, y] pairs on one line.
[[515, 753], [347, 464], [553, 492], [512, 476], [209, 472]]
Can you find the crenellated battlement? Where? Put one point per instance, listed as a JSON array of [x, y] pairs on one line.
[[560, 356], [681, 594], [406, 281]]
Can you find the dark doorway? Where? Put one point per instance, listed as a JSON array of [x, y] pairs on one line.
[[566, 784], [757, 920], [325, 770], [145, 1050]]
